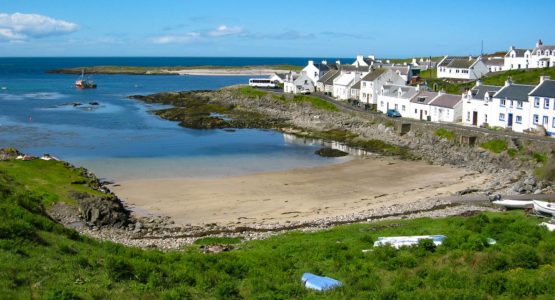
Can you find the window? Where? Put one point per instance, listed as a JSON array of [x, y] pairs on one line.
[[545, 120], [519, 105], [539, 52], [518, 119], [381, 104], [396, 106], [536, 119], [547, 52], [502, 103], [485, 118], [415, 111], [363, 84], [468, 116], [546, 103], [537, 102], [502, 117], [403, 108], [553, 123]]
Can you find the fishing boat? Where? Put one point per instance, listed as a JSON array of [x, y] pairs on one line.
[[84, 83], [514, 204], [543, 207]]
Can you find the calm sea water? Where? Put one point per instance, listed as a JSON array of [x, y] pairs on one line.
[[119, 138]]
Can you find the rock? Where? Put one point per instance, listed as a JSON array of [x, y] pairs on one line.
[[329, 152], [9, 153], [530, 181], [381, 127], [101, 211], [537, 192]]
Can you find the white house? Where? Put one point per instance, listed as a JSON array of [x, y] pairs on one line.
[[511, 108], [518, 59], [278, 77], [446, 108], [325, 83], [298, 84], [543, 56], [396, 97], [420, 105], [315, 71], [542, 105], [349, 75], [404, 71], [477, 104], [372, 82], [495, 64], [457, 67], [423, 64], [355, 91], [364, 61]]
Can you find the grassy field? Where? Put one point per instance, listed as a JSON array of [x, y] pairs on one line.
[[41, 260]]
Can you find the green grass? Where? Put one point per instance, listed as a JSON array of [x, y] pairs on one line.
[[252, 92], [529, 76], [495, 146], [445, 134], [41, 260], [218, 240], [316, 102]]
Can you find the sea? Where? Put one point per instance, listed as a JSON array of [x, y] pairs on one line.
[[121, 139]]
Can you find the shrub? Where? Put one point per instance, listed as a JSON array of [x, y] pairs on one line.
[[446, 134], [252, 92], [119, 269], [495, 146]]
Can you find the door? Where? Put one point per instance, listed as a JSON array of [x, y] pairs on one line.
[[510, 120], [420, 114], [475, 118], [545, 121]]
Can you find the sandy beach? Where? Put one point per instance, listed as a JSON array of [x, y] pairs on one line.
[[295, 195]]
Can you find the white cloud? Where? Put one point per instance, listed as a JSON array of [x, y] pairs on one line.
[[19, 27], [176, 39], [224, 30]]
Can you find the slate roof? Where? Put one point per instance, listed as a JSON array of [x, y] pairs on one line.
[[328, 78], [374, 74], [479, 92], [543, 48], [447, 100], [392, 90], [519, 52], [545, 89], [403, 70], [354, 68], [494, 62], [517, 92], [356, 86], [428, 97], [459, 62]]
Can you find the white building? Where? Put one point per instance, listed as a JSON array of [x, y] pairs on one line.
[[518, 59], [315, 71], [349, 75], [298, 84], [542, 105], [543, 56], [404, 71], [396, 97], [364, 61], [494, 64], [278, 77], [477, 104], [420, 105], [423, 64], [372, 82], [446, 108], [511, 108], [466, 68], [325, 83]]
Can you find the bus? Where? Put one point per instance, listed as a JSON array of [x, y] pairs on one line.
[[261, 82]]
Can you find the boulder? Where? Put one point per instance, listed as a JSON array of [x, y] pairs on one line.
[[9, 153], [101, 210]]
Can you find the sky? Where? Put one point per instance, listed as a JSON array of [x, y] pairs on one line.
[[386, 29]]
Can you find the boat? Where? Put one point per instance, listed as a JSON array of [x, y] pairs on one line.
[[514, 204], [408, 241], [544, 207], [319, 283], [84, 83], [550, 227]]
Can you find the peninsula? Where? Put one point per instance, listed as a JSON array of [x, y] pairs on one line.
[[208, 70]]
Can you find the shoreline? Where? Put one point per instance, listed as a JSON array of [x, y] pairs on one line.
[[181, 71]]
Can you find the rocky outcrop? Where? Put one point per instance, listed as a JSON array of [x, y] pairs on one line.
[[101, 210], [9, 153]]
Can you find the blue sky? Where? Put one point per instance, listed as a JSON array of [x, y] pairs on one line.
[[270, 28]]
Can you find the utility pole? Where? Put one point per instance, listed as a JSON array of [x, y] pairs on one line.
[[482, 52]]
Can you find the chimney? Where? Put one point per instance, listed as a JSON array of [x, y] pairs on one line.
[[414, 61], [470, 58], [440, 93], [311, 63], [478, 82], [509, 81], [338, 62], [539, 43], [544, 78], [324, 62], [418, 88], [372, 57]]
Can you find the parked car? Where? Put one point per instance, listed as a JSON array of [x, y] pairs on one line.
[[393, 113]]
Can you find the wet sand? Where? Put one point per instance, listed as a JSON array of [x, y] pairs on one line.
[[296, 195]]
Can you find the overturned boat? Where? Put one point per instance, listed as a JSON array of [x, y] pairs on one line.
[[543, 207], [514, 204]]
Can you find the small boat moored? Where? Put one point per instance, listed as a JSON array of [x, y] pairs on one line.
[[544, 207], [514, 204], [84, 83]]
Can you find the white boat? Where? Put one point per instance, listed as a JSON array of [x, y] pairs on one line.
[[514, 204], [550, 227], [402, 241], [544, 207]]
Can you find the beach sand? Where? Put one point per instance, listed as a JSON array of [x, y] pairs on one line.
[[295, 195]]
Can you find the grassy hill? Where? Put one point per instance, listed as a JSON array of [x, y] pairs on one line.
[[40, 259]]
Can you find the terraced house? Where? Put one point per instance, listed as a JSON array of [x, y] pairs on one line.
[[460, 67], [542, 111], [477, 104]]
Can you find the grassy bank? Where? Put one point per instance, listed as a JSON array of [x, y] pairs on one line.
[[40, 259], [139, 70]]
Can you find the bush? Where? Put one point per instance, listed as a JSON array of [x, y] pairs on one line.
[[495, 146], [444, 133], [119, 269]]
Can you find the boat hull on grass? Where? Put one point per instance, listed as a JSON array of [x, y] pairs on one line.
[[514, 204], [544, 207]]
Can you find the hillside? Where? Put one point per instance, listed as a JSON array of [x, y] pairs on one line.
[[40, 259]]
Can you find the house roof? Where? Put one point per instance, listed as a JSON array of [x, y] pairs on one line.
[[519, 52], [354, 68], [392, 90], [545, 89], [479, 92], [446, 100], [375, 74], [403, 70], [459, 62], [356, 86], [424, 97], [495, 62], [517, 92], [344, 79], [281, 75], [328, 78], [543, 48]]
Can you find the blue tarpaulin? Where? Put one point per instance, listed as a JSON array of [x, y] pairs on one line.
[[319, 283]]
